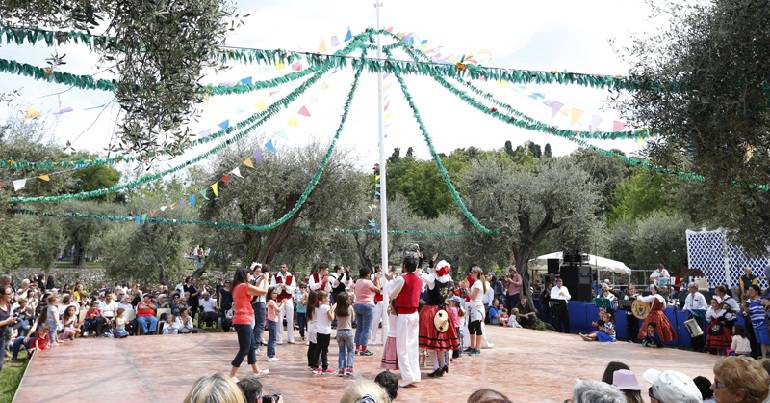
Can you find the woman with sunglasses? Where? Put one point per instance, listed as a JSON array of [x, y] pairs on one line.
[[740, 379]]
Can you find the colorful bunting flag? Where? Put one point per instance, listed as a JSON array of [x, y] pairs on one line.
[[203, 194], [182, 202], [224, 124], [63, 110], [237, 172], [575, 115], [172, 206], [261, 106], [31, 113], [153, 213], [536, 95], [204, 132], [293, 122], [322, 47], [348, 35], [163, 208], [303, 111], [138, 219], [555, 106], [247, 162], [279, 66], [618, 126], [19, 184], [225, 179], [596, 121], [246, 80], [334, 41], [269, 147], [215, 188], [296, 66], [191, 201], [258, 155], [44, 178], [281, 134]]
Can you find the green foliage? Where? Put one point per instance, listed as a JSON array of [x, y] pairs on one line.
[[717, 122], [150, 253], [645, 242], [639, 196], [606, 173]]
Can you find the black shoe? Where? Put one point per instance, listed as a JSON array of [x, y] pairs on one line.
[[437, 373], [445, 370]]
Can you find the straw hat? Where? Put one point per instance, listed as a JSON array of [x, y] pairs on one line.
[[624, 379]]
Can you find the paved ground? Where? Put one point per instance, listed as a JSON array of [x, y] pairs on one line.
[[526, 365]]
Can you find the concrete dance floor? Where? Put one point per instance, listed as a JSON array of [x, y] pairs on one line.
[[526, 365]]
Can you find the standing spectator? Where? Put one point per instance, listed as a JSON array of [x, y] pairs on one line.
[[545, 301], [258, 305], [364, 290], [747, 279], [381, 302], [513, 283], [324, 315], [273, 309], [145, 316], [7, 320], [52, 319], [756, 310], [209, 313], [740, 379], [300, 295], [225, 304], [560, 297], [498, 287], [189, 287], [345, 316], [476, 310]]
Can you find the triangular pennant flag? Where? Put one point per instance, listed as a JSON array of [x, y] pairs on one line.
[[215, 188], [225, 179], [388, 116], [63, 110], [269, 147], [182, 202], [261, 106], [172, 206], [246, 80], [257, 155], [575, 115], [555, 106], [335, 41], [138, 219], [247, 162], [271, 93], [322, 47], [191, 201], [565, 111], [596, 121], [279, 66], [293, 122], [204, 132], [45, 178], [237, 172], [296, 66], [203, 194], [163, 208], [618, 126], [224, 124], [303, 111], [31, 113], [387, 105], [536, 95], [19, 184], [348, 35], [324, 85], [153, 213]]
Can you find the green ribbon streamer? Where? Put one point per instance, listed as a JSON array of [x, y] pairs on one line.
[[227, 224], [262, 56], [437, 159]]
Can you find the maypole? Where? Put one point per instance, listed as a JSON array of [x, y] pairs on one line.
[[383, 170]]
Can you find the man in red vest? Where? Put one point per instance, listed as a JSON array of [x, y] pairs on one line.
[[319, 281], [406, 290], [283, 284]]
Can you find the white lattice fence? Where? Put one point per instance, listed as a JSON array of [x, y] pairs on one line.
[[721, 261]]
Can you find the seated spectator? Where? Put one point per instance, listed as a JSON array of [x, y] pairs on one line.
[[169, 326], [626, 382], [740, 344], [606, 332], [217, 388], [364, 391], [504, 317], [587, 391], [94, 321], [25, 315], [120, 324], [209, 306], [176, 304], [513, 320], [740, 379], [704, 386], [108, 307], [494, 313], [129, 315], [672, 387], [526, 316], [36, 341], [184, 322], [70, 323], [163, 304], [145, 316], [651, 338], [388, 381], [487, 396]]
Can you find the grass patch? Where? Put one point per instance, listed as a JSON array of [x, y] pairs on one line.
[[10, 377]]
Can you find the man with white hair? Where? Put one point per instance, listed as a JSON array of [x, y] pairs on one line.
[[587, 391], [695, 303]]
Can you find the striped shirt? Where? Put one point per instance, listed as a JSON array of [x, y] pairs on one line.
[[757, 313]]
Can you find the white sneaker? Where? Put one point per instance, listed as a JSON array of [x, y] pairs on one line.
[[262, 372], [234, 379], [273, 359], [85, 334]]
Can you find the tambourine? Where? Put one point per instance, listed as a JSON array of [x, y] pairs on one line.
[[640, 309]]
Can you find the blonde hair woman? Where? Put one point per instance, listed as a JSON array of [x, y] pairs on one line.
[[217, 388], [365, 391], [740, 379]]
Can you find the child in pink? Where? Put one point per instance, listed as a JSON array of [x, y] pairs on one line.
[[389, 351]]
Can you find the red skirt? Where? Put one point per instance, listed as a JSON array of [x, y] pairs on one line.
[[432, 339], [662, 326], [720, 341]]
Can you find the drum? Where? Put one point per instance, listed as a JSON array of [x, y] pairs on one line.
[[693, 328], [662, 281], [640, 309]]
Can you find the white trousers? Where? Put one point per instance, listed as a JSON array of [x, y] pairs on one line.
[[380, 316], [408, 347], [286, 311]]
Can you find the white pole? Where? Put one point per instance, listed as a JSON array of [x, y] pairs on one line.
[[383, 173]]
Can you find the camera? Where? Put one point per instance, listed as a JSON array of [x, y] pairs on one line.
[[271, 398]]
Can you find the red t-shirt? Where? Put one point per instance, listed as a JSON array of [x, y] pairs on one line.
[[145, 310], [243, 313]]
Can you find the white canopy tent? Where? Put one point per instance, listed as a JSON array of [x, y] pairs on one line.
[[598, 263]]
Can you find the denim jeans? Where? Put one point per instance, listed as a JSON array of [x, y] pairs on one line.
[[301, 323], [272, 329], [246, 346], [364, 313], [345, 343], [17, 344], [148, 324], [260, 315]]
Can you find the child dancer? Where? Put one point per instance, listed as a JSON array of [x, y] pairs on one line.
[[273, 310], [120, 324], [389, 352], [312, 341], [324, 315], [345, 317]]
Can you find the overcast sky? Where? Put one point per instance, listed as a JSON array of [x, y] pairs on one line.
[[541, 35]]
